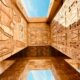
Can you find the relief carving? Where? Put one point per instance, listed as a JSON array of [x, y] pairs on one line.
[[9, 19]]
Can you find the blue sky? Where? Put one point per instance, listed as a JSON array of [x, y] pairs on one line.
[[36, 8], [40, 75]]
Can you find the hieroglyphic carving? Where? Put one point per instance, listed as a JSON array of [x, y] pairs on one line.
[[69, 13], [66, 40], [68, 19], [12, 26]]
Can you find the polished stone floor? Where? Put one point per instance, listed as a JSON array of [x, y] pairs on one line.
[[19, 68]]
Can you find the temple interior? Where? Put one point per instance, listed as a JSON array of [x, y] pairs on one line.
[[39, 39]]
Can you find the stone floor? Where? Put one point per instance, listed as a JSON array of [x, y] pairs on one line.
[[62, 69]]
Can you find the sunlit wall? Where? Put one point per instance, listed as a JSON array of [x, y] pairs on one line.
[[69, 12]]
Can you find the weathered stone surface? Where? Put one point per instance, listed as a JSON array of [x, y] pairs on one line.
[[38, 34], [13, 28], [69, 13], [66, 40]]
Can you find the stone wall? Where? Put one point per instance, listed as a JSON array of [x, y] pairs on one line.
[[65, 31], [66, 40], [16, 33], [13, 28], [69, 12], [38, 34]]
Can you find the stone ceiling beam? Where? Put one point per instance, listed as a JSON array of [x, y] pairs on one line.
[[55, 8]]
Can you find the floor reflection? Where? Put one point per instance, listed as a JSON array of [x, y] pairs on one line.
[[40, 75], [74, 63]]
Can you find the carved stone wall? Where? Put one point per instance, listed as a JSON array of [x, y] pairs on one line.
[[38, 34], [65, 31], [66, 40], [13, 28], [69, 12]]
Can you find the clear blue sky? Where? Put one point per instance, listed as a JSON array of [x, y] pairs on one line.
[[40, 75], [36, 8]]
